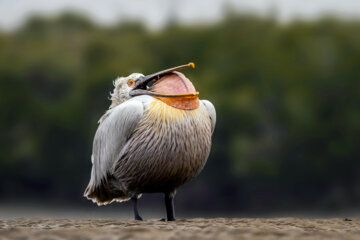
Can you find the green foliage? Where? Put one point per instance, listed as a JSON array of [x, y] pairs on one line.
[[287, 100]]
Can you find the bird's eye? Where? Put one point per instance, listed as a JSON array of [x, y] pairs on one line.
[[131, 83]]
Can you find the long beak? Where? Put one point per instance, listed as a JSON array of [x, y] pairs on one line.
[[144, 80]]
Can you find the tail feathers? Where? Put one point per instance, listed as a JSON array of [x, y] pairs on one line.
[[103, 194]]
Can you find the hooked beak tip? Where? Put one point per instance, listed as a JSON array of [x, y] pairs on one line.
[[191, 64]]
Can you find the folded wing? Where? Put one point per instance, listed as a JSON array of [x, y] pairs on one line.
[[111, 136]]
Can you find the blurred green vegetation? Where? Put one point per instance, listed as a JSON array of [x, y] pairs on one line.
[[287, 100]]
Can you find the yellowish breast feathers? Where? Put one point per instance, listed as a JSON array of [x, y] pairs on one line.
[[161, 111]]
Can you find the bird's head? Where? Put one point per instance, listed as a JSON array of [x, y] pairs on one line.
[[122, 88], [169, 86]]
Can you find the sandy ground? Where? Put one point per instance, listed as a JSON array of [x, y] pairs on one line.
[[199, 228]]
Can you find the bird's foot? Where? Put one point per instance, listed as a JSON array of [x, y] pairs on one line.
[[171, 219], [167, 220], [138, 218]]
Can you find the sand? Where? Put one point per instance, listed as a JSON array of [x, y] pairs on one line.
[[199, 228]]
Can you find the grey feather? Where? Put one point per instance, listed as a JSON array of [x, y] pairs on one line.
[[111, 135]]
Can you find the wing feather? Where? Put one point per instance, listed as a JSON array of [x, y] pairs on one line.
[[111, 136]]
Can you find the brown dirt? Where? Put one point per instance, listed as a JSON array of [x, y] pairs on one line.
[[199, 228]]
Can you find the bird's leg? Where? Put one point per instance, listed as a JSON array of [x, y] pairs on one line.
[[136, 213], [169, 204]]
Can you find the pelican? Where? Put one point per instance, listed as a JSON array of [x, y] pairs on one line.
[[155, 136]]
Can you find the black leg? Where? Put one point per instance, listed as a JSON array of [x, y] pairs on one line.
[[169, 203], [136, 213]]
